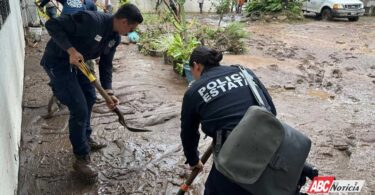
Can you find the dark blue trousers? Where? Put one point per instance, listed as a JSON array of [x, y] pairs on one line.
[[75, 91], [218, 184]]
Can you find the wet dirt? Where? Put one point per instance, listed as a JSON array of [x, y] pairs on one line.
[[319, 75]]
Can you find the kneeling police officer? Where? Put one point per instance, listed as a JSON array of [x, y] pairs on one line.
[[217, 100]]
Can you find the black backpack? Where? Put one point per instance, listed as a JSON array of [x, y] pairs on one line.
[[262, 154]]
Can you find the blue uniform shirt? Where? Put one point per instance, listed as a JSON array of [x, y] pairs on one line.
[[91, 33], [73, 6], [217, 101]]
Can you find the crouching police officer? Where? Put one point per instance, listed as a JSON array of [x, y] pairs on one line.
[[75, 38], [217, 100]]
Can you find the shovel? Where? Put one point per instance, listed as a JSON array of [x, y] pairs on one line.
[[185, 187], [86, 71]]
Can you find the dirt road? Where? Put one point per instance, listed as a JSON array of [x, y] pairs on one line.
[[321, 76]]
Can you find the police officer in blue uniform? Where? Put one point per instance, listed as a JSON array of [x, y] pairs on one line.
[[217, 100], [76, 38]]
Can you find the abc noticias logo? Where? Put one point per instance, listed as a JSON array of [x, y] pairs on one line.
[[326, 184]]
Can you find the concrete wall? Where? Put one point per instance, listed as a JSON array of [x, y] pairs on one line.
[[190, 5], [12, 55]]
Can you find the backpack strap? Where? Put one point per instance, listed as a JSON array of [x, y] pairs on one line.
[[253, 86]]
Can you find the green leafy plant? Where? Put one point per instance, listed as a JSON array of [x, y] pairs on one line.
[[148, 39], [223, 6], [295, 7], [264, 5], [292, 9], [236, 30], [230, 38], [180, 51]]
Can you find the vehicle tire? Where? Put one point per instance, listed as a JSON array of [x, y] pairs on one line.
[[326, 14], [353, 19]]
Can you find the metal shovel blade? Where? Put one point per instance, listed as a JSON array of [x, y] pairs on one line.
[[121, 119]]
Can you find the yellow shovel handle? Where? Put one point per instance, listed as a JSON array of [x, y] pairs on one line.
[[85, 70]]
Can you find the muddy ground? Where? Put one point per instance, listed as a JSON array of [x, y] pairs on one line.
[[321, 76]]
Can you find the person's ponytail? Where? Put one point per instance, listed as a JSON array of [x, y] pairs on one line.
[[214, 58]]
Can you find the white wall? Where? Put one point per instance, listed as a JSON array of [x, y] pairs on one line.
[[190, 5], [12, 55]]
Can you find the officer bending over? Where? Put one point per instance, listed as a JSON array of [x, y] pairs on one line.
[[217, 100], [75, 38]]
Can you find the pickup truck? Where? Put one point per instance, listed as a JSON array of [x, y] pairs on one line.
[[328, 9]]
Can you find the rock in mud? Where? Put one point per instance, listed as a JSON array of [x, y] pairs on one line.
[[372, 67]]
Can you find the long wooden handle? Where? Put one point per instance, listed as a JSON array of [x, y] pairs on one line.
[[185, 187], [86, 71], [102, 92]]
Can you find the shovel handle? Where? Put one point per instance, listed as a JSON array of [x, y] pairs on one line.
[[86, 71], [102, 92], [185, 187]]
